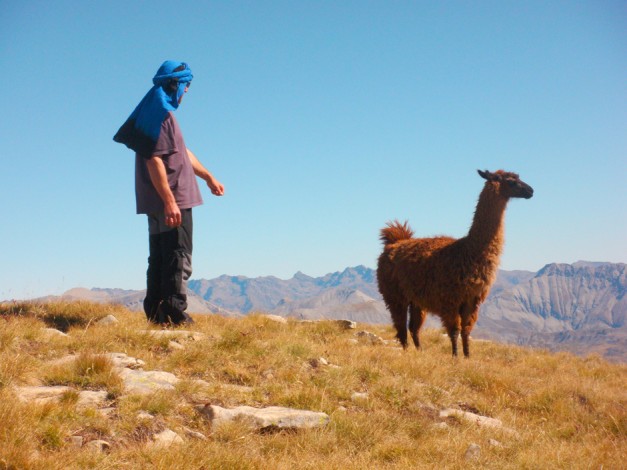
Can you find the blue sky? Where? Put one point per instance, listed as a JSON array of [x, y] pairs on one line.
[[323, 119]]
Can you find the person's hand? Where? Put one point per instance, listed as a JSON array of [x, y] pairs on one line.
[[172, 215], [217, 188]]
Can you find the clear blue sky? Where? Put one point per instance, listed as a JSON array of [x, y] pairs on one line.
[[323, 119]]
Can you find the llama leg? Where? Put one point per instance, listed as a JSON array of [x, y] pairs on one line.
[[453, 329], [399, 317], [454, 334], [416, 319], [469, 317]]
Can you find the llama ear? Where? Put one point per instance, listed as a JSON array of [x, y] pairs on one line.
[[486, 175]]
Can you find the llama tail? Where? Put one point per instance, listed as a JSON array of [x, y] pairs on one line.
[[395, 231]]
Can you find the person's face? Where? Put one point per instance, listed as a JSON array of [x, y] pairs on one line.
[[186, 88]]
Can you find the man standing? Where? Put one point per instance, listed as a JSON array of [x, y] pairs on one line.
[[166, 190]]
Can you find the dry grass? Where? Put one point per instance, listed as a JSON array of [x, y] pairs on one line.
[[567, 412]]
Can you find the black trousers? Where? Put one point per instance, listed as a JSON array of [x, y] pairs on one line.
[[169, 268]]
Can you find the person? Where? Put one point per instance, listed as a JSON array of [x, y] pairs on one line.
[[166, 190]]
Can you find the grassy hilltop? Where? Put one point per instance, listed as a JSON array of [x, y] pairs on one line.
[[557, 410]]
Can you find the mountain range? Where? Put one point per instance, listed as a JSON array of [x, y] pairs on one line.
[[578, 307]]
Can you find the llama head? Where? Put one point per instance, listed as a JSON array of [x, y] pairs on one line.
[[507, 184]]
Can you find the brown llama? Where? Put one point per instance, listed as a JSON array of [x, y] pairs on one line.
[[446, 276]]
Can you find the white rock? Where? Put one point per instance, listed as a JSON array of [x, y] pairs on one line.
[[91, 399], [481, 421], [166, 438], [108, 320], [42, 395], [144, 382], [144, 416], [121, 360], [77, 441], [178, 334], [262, 418], [175, 345], [275, 318], [356, 396], [51, 332], [195, 434]]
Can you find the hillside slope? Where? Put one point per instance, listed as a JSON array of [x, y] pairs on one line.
[[112, 392]]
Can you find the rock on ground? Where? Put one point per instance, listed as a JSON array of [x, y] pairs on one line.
[[473, 452], [42, 395], [275, 318], [92, 399], [266, 418], [481, 421], [370, 337], [50, 332], [108, 320], [177, 334], [166, 438], [143, 382]]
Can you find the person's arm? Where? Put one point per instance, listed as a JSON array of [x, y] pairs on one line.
[[159, 178], [199, 170]]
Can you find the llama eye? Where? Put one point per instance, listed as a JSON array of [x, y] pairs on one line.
[[511, 183]]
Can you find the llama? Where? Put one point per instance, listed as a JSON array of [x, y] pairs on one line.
[[446, 276]]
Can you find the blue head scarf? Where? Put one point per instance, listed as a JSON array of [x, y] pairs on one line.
[[141, 130]]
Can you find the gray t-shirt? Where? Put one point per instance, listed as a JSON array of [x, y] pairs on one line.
[[181, 178]]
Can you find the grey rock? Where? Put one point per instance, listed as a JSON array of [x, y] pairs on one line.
[[369, 337], [52, 332], [265, 418], [347, 324], [98, 445], [275, 318], [473, 452], [357, 396], [177, 334], [166, 438], [175, 346], [42, 394], [91, 399], [145, 382], [144, 416], [108, 320], [481, 421], [194, 434], [122, 361]]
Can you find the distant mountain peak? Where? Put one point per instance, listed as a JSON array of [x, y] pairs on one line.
[[301, 276]]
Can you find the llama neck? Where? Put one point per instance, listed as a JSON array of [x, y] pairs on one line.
[[486, 235]]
